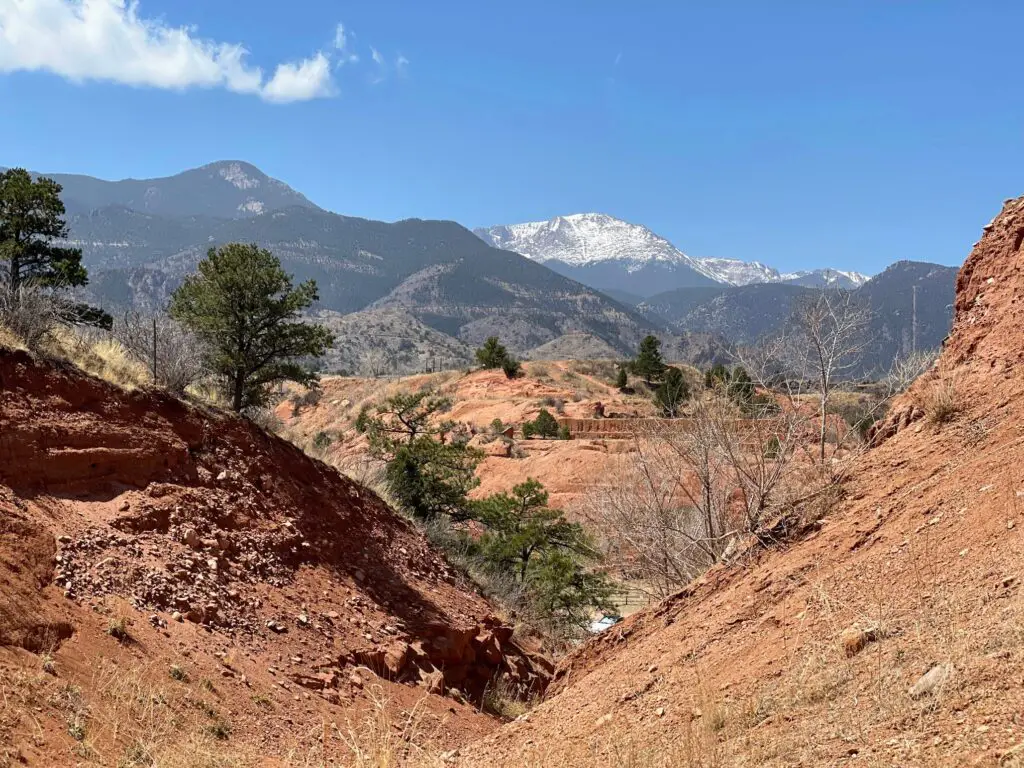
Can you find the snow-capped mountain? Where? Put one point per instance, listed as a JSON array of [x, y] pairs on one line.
[[614, 255], [603, 252], [820, 278], [736, 272]]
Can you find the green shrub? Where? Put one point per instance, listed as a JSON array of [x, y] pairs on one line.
[[512, 368], [545, 425]]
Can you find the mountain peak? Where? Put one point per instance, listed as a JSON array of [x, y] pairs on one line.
[[581, 239], [591, 247], [226, 189]]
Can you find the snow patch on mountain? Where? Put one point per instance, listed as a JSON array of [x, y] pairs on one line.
[[233, 173], [827, 277], [736, 272], [252, 206], [584, 239]]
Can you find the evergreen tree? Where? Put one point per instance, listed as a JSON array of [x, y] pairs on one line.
[[672, 393], [512, 368], [427, 472], [492, 354], [246, 310], [31, 219], [648, 363], [545, 425], [741, 387], [543, 552], [622, 379], [716, 376]]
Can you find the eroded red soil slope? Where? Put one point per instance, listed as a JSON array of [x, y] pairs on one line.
[[256, 586], [893, 635]]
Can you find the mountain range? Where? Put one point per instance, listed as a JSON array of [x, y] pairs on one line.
[[427, 292], [745, 314], [614, 255]]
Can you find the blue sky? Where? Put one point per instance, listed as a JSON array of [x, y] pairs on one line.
[[848, 134]]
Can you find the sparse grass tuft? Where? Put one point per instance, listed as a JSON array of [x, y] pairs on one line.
[[219, 729], [178, 673], [118, 629], [940, 401], [503, 698], [383, 741]]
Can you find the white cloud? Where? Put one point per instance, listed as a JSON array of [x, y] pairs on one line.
[[401, 63], [309, 79], [108, 40], [377, 57], [341, 45]]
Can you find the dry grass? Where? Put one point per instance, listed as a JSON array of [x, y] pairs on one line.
[[119, 719], [382, 740], [10, 340], [939, 399], [503, 698], [102, 357]]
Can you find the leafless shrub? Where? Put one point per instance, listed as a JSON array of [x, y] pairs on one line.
[[173, 355], [664, 511], [693, 485], [906, 370], [307, 398], [264, 418], [30, 312], [377, 362]]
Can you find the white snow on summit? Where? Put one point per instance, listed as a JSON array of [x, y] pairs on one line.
[[736, 272], [588, 238], [233, 173], [584, 239], [830, 276]]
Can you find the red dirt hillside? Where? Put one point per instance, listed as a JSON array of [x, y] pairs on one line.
[[890, 634], [173, 578]]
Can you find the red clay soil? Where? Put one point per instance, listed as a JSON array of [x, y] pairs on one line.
[[569, 470], [889, 634], [296, 596]]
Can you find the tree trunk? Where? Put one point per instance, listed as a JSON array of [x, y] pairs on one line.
[[821, 436], [238, 389]]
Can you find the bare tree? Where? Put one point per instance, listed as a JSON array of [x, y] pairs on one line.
[[665, 509], [30, 312], [173, 355], [376, 362], [820, 347]]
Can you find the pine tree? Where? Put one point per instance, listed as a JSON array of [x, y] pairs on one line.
[[672, 393], [622, 379], [492, 354], [426, 472], [244, 307], [31, 219], [648, 363], [717, 375], [525, 539], [741, 387], [545, 425]]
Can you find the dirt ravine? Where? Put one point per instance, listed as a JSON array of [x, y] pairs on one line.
[[893, 635], [139, 533]]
